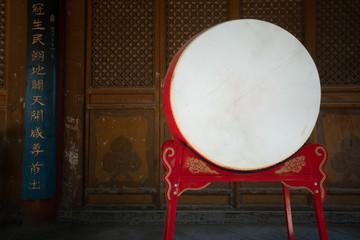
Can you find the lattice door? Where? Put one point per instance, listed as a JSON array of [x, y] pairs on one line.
[[122, 105]]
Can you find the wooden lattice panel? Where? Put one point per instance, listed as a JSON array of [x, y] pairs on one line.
[[288, 14], [338, 41], [2, 42], [187, 18], [122, 43]]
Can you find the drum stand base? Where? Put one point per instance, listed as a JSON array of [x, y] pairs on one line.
[[186, 170]]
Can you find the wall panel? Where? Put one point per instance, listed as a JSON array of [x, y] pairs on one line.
[[122, 105], [337, 58], [2, 43], [122, 44], [130, 46], [122, 153], [343, 167], [338, 42], [12, 89], [3, 93]]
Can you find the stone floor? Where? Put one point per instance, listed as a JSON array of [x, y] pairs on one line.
[[75, 231]]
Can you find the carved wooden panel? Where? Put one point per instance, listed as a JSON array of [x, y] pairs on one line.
[[289, 15], [122, 104], [122, 43], [121, 155], [121, 145], [2, 42], [338, 42], [341, 134], [184, 19]]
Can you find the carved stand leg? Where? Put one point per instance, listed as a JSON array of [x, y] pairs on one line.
[[171, 158], [289, 223], [320, 216], [318, 213], [170, 218]]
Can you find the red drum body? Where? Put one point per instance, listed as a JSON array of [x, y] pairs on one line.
[[244, 95]]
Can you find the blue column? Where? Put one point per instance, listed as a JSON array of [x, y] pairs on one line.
[[41, 94]]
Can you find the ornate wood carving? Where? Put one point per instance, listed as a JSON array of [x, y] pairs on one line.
[[294, 165], [122, 48], [338, 42], [2, 42], [120, 148], [340, 131], [347, 160], [121, 160]]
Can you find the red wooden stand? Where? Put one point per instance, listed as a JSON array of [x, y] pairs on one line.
[[185, 170]]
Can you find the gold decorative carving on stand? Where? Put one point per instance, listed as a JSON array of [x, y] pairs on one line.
[[197, 166], [169, 152], [293, 165]]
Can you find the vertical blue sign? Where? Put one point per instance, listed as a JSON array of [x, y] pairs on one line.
[[40, 119]]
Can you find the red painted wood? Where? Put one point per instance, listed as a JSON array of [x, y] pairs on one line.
[[187, 170], [170, 120], [40, 212], [289, 222], [170, 217], [320, 216]]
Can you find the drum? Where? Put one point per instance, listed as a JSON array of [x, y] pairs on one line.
[[244, 95]]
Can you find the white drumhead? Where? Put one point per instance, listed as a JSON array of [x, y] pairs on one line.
[[245, 94]]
